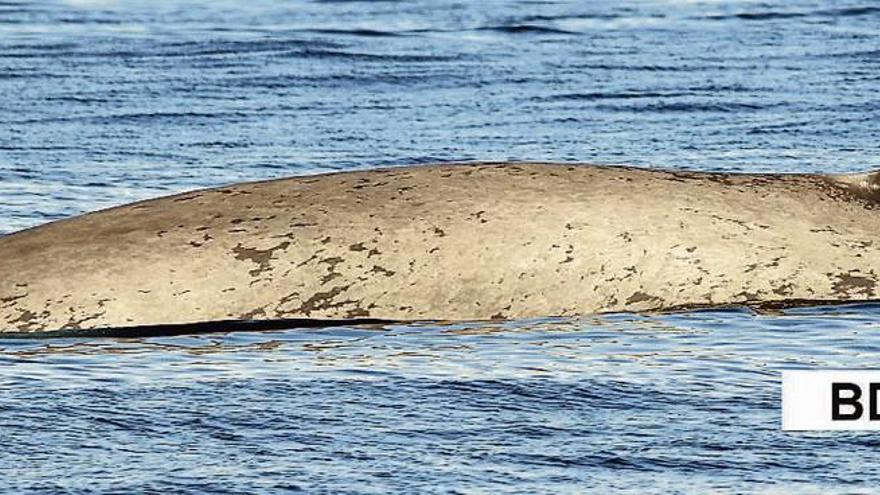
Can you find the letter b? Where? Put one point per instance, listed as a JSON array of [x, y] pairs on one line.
[[853, 400]]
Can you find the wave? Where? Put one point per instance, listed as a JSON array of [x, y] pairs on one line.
[[370, 33], [337, 80], [594, 96], [682, 107], [559, 17], [634, 94], [172, 50], [772, 15], [524, 29], [362, 56], [141, 118]]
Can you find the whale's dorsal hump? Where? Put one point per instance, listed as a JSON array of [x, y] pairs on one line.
[[863, 183]]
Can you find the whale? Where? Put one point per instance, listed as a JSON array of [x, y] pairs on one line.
[[448, 242]]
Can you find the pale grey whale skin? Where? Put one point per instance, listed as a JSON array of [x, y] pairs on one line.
[[470, 241]]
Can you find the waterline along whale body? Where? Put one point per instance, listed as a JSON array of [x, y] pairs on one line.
[[449, 242]]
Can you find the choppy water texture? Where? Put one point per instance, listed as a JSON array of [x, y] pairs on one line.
[[106, 102]]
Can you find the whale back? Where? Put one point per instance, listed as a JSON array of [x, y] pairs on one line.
[[449, 242]]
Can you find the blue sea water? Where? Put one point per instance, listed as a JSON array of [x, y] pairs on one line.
[[103, 102]]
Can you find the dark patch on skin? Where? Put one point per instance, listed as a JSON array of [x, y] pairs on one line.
[[850, 283], [76, 324], [357, 313], [205, 238], [12, 298], [741, 223], [233, 191], [568, 252], [251, 315], [784, 290], [26, 316], [439, 232], [261, 257], [357, 247], [367, 184], [284, 300], [309, 260], [500, 315], [631, 271], [322, 300], [373, 252], [331, 269], [27, 320], [747, 297], [861, 244], [335, 260], [188, 197], [639, 296], [383, 271], [479, 216]]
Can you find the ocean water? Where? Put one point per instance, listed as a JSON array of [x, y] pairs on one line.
[[104, 102]]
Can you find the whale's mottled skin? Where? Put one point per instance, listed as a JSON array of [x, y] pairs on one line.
[[450, 242]]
